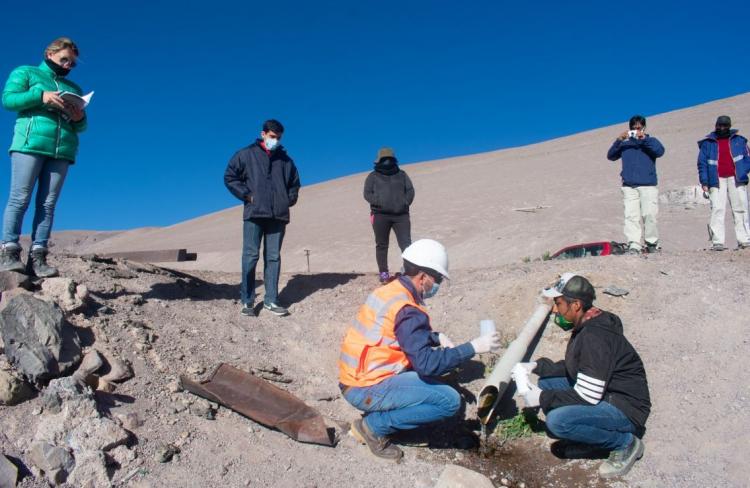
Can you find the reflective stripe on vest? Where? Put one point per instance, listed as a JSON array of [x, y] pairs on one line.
[[370, 351]]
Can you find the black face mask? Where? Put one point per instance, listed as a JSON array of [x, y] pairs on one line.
[[387, 166], [59, 70], [722, 132]]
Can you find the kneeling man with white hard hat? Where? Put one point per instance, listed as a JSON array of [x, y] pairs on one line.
[[390, 355]]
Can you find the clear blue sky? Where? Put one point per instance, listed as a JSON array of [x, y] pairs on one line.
[[180, 86]]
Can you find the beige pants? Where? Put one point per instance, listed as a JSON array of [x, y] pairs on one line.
[[737, 201], [641, 203]]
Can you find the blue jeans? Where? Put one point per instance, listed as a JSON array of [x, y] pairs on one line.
[[404, 401], [602, 425], [271, 231], [28, 170]]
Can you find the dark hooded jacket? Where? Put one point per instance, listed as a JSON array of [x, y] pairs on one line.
[[603, 366], [271, 180], [388, 189]]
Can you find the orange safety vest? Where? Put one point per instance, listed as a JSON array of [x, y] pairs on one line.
[[370, 351]]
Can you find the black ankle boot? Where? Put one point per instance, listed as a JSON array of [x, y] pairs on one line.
[[37, 264], [10, 258]]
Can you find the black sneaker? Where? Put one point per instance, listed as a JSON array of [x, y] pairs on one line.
[[276, 309], [379, 446], [718, 247], [248, 310], [37, 264], [10, 258], [652, 248], [620, 462]]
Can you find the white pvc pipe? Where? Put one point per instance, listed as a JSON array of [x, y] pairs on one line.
[[500, 377]]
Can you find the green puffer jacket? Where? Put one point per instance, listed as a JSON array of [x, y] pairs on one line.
[[39, 129]]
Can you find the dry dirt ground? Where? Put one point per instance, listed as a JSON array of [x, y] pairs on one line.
[[685, 314]]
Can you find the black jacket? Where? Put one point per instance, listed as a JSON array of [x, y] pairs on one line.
[[604, 366], [389, 194], [272, 181]]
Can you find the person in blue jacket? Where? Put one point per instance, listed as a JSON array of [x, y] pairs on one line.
[[723, 165], [264, 177], [640, 194]]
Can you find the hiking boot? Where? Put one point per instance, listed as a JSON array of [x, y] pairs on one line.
[[248, 310], [718, 247], [620, 461], [385, 277], [379, 446], [275, 309], [37, 264], [10, 257]]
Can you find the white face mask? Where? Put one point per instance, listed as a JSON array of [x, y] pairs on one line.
[[271, 143]]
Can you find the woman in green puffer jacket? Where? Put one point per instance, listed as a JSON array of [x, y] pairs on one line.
[[45, 141]]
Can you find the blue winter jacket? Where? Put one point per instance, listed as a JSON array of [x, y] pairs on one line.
[[421, 344], [638, 159], [268, 185], [708, 159]]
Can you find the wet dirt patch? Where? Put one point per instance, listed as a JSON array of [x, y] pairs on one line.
[[522, 463]]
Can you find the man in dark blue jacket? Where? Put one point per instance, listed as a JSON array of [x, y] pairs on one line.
[[723, 165], [640, 194], [265, 178]]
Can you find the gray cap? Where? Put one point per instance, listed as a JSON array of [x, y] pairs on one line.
[[572, 286]]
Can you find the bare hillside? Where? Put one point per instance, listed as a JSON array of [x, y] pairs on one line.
[[468, 203]]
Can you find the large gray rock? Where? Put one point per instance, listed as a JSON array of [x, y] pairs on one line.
[[73, 423], [38, 341], [54, 461], [68, 390], [8, 473], [457, 477], [13, 390]]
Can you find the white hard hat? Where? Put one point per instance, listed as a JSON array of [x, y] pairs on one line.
[[429, 254]]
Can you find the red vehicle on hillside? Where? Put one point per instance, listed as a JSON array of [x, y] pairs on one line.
[[601, 248]]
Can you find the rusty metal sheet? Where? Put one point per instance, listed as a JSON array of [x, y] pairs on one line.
[[267, 404]]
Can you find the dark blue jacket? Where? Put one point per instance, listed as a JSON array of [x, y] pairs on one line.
[[421, 344], [272, 182], [708, 159], [638, 160]]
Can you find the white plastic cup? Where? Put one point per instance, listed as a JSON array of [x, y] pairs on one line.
[[487, 327], [521, 377]]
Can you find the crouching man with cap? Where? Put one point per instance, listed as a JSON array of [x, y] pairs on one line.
[[390, 355], [597, 397]]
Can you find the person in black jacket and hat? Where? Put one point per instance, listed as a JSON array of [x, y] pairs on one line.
[[389, 191], [597, 397]]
